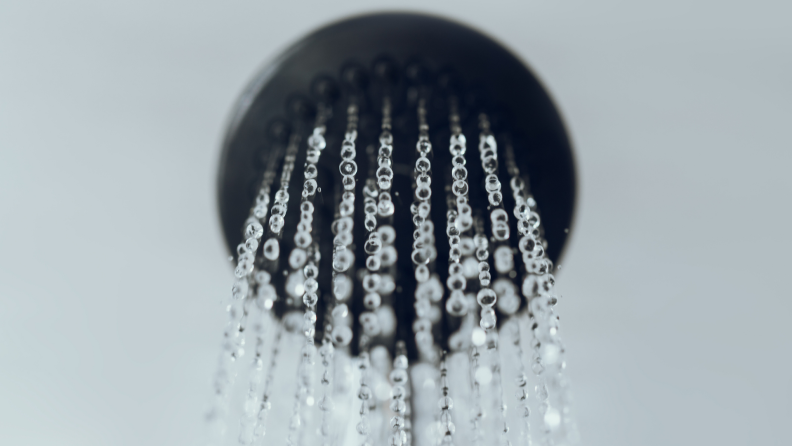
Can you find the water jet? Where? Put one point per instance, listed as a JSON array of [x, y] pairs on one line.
[[396, 190]]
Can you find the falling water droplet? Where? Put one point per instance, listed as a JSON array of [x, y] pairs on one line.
[[271, 249]]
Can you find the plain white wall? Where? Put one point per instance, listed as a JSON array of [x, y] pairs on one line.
[[112, 270]]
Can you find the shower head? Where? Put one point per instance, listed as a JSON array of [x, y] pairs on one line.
[[408, 55], [404, 57], [360, 216]]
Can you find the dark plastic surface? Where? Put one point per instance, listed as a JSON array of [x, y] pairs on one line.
[[541, 144], [404, 56]]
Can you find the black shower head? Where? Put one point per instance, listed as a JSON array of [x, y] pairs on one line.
[[364, 55], [395, 61]]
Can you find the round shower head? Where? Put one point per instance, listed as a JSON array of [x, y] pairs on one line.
[[368, 233], [407, 53], [400, 61]]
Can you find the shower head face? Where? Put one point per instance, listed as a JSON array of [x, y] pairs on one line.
[[405, 58], [363, 56]]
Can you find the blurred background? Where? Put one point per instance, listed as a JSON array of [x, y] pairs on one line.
[[676, 301]]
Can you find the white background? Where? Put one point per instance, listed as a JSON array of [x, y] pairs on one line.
[[676, 310]]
